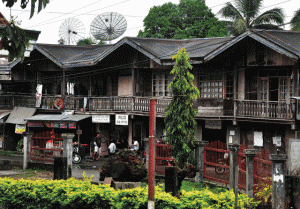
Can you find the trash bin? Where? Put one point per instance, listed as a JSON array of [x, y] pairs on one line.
[[60, 168]]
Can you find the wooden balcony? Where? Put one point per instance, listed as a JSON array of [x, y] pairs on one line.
[[250, 109], [264, 109]]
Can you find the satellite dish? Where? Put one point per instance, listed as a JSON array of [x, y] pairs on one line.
[[108, 26], [71, 31]]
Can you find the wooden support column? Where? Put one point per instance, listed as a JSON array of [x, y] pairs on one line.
[[235, 87]]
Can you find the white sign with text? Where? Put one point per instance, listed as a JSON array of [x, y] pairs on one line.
[[122, 120]]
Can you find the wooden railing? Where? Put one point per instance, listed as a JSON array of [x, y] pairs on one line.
[[243, 108], [263, 109]]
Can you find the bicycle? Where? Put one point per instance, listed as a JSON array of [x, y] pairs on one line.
[[222, 161]]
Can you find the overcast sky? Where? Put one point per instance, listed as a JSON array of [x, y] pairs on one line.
[[50, 19]]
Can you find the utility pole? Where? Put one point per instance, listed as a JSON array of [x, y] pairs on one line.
[[151, 176]]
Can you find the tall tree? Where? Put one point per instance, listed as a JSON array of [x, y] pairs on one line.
[[246, 14], [295, 22], [180, 121], [15, 39], [188, 19]]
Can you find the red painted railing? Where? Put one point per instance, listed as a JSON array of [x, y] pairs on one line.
[[163, 157], [44, 146]]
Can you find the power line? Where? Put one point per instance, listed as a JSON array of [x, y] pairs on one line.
[[47, 22]]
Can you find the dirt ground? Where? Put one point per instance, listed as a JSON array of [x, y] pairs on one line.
[[33, 174]]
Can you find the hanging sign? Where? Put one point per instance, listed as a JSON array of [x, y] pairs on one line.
[[100, 118], [35, 124], [122, 120], [20, 129], [59, 103], [213, 124]]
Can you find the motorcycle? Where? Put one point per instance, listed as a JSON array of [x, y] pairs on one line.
[[76, 158]]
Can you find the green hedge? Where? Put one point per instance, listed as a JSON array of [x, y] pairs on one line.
[[74, 193]]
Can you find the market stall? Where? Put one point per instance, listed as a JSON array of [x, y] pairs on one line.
[[46, 141]]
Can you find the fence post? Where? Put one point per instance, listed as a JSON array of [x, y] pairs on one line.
[[26, 148], [278, 182], [234, 148], [200, 159], [250, 154], [68, 150]]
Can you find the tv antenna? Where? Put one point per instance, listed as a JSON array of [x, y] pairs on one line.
[[108, 26], [71, 31]]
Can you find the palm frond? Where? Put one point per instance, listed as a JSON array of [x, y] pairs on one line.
[[230, 12], [295, 21], [274, 15], [250, 8], [240, 26], [268, 27]]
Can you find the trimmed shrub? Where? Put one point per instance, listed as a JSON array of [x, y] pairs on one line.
[[72, 193]]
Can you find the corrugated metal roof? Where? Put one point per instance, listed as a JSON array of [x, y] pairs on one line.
[[74, 118], [2, 115], [289, 40], [18, 115]]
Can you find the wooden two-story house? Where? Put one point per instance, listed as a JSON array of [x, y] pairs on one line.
[[248, 83]]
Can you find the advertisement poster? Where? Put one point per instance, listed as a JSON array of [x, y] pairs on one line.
[[72, 125], [47, 124], [63, 124], [20, 129], [258, 138]]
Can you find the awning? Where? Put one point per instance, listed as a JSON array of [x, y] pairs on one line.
[[73, 118], [18, 115]]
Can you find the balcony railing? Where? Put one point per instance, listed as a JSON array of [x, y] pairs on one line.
[[243, 108], [264, 109]]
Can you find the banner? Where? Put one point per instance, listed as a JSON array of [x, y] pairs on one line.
[[39, 90]]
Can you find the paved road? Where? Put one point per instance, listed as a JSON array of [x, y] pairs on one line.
[[90, 167]]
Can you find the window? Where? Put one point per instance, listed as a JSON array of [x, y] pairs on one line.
[[160, 84], [211, 86]]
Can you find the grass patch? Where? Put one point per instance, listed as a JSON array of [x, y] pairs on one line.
[[9, 153]]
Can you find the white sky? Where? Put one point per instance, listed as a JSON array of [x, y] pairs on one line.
[[49, 19]]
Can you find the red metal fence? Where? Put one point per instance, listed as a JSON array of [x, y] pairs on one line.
[[216, 162], [162, 157], [262, 169], [45, 146], [216, 165]]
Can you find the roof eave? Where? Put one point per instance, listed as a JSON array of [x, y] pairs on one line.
[[256, 37], [48, 55]]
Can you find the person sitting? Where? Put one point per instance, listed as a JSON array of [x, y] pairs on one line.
[[112, 148], [135, 146]]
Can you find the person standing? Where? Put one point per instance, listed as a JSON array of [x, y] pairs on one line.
[[112, 148], [97, 146]]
